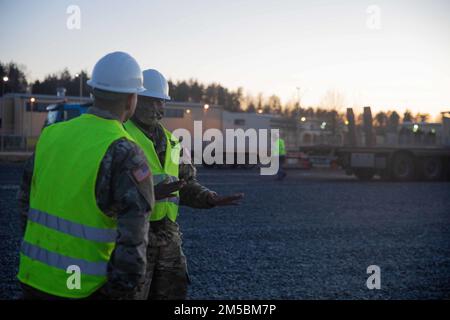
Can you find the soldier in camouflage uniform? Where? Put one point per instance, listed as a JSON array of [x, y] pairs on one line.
[[166, 264], [121, 194]]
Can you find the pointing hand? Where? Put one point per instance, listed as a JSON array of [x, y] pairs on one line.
[[231, 200]]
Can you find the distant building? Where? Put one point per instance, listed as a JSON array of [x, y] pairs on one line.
[[22, 117], [319, 131]]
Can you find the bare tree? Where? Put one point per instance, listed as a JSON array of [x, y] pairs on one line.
[[408, 117], [423, 117], [381, 119], [274, 104], [393, 121], [334, 100]]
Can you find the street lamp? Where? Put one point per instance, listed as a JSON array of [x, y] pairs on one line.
[[206, 106], [5, 80], [80, 76], [30, 135]]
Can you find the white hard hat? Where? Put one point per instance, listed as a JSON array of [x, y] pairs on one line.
[[117, 72], [155, 84]]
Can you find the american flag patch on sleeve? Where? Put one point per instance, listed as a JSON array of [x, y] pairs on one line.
[[142, 173]]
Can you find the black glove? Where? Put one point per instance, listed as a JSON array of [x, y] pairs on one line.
[[166, 190]]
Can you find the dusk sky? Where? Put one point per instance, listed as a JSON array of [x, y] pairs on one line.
[[387, 54]]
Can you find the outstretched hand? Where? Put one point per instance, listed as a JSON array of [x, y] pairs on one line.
[[166, 190], [231, 200]]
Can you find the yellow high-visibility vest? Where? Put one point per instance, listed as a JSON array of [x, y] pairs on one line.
[[66, 231], [280, 149], [167, 206]]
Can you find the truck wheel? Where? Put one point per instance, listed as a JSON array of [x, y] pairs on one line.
[[432, 168], [403, 168], [364, 174]]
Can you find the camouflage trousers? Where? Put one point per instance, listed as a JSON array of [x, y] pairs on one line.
[[166, 277]]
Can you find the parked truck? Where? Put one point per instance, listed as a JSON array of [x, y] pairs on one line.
[[395, 163], [65, 111]]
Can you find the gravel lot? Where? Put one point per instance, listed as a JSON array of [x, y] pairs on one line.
[[311, 236]]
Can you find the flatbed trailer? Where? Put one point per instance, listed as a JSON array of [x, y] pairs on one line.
[[393, 163]]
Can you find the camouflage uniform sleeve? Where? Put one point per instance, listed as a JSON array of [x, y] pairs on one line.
[[193, 194], [124, 190], [23, 195]]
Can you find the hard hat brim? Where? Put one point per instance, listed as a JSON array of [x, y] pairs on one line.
[[150, 94], [94, 85]]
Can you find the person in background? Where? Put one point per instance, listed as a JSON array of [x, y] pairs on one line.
[[280, 151]]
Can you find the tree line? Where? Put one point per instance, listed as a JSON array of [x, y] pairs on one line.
[[214, 93]]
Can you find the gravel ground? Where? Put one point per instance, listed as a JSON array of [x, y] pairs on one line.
[[311, 236]]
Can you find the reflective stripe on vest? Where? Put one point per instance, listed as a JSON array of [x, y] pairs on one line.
[[174, 200], [168, 206], [157, 178], [62, 262], [72, 228]]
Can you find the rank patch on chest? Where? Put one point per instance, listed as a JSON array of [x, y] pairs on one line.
[[142, 173]]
